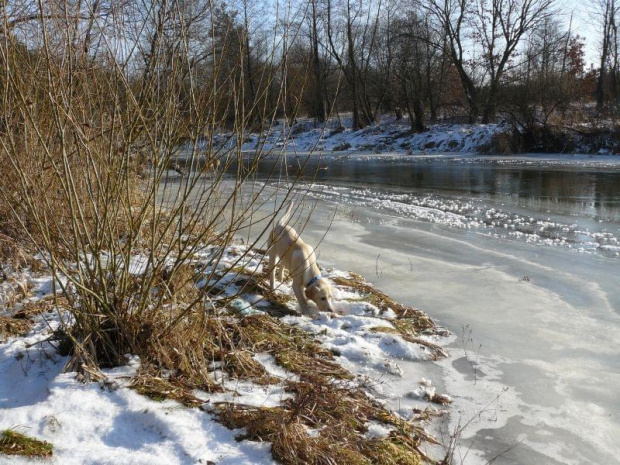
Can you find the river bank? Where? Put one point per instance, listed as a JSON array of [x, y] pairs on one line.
[[288, 389], [529, 291], [389, 135]]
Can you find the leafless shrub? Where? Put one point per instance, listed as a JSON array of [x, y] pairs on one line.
[[95, 113]]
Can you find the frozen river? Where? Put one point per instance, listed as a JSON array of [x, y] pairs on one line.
[[521, 261]]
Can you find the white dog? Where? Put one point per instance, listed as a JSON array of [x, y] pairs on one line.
[[287, 250]]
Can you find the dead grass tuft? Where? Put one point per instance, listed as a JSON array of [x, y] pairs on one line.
[[410, 323], [159, 388], [201, 339], [192, 348], [37, 307], [10, 327], [241, 365], [277, 305], [180, 283], [14, 443], [323, 403], [419, 320], [294, 349], [308, 365], [402, 330], [337, 415], [395, 450], [437, 398], [16, 255], [189, 349]]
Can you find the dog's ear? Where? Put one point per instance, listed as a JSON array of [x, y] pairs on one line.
[[309, 292]]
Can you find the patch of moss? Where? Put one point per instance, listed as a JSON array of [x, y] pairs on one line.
[[14, 443]]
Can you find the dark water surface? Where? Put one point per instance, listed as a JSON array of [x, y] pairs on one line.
[[575, 206]]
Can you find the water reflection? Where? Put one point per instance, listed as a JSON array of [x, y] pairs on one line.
[[594, 193]]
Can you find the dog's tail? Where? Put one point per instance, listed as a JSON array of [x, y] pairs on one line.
[[287, 216]]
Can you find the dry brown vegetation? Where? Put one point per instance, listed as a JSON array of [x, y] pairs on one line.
[[13, 327], [325, 421], [14, 443], [92, 183], [338, 417], [410, 323], [87, 142]]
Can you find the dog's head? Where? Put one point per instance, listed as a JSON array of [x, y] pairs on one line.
[[321, 294]]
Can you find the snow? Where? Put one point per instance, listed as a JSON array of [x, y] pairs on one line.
[[377, 430], [386, 136], [360, 349], [106, 422], [247, 393], [269, 363]]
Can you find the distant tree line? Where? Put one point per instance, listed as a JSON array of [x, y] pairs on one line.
[[431, 60]]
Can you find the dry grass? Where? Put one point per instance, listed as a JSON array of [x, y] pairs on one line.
[[16, 254], [13, 443], [436, 351], [241, 365], [420, 322], [201, 339], [277, 305], [338, 416], [322, 400], [410, 323], [159, 388], [31, 309], [437, 398], [10, 327], [294, 349]]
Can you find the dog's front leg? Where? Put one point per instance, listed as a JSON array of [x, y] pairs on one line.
[[272, 270], [301, 298]]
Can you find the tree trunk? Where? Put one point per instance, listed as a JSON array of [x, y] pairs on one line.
[[417, 124], [490, 106], [320, 111]]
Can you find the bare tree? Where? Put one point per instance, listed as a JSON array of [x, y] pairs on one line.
[[353, 51], [319, 108], [606, 15], [496, 27]]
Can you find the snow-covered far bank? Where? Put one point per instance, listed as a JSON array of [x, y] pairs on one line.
[[391, 136], [109, 422], [388, 135]]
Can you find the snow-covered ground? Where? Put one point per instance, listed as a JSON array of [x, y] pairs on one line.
[[107, 422], [391, 136], [385, 136], [101, 422]]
